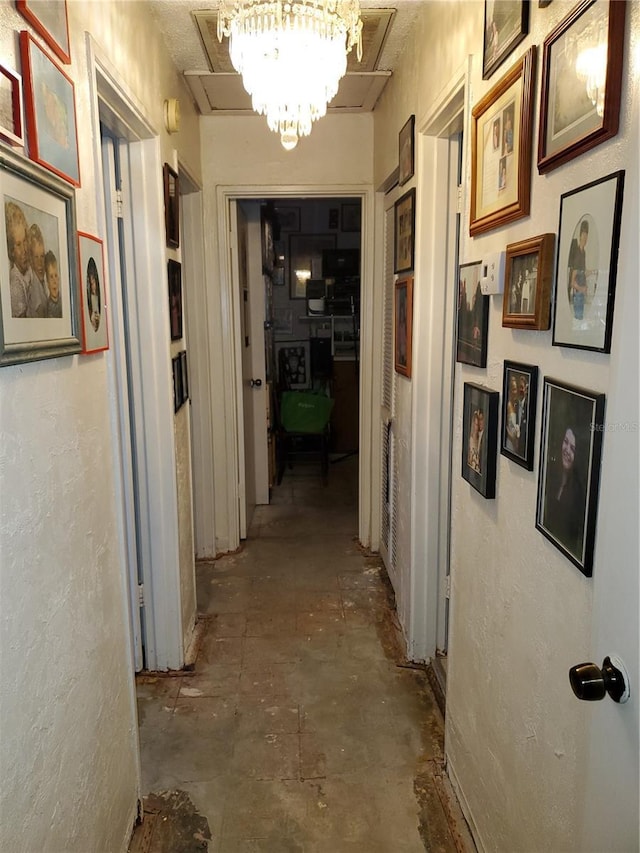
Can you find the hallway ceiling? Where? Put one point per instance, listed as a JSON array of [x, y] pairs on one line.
[[189, 30]]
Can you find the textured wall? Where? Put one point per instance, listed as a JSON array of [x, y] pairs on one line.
[[520, 612], [68, 754]]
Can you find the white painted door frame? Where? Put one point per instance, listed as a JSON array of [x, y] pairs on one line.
[[368, 526], [153, 408], [431, 399]]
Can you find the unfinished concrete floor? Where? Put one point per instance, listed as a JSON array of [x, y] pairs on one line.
[[302, 728]]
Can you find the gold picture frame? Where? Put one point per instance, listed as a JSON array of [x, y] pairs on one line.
[[501, 131]]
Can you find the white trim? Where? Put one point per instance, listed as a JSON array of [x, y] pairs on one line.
[[226, 451]]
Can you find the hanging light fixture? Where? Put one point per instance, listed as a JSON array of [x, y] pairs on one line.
[[291, 55]]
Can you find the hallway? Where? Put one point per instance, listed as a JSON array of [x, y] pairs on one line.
[[301, 727]]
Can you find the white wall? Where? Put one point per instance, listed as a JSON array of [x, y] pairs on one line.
[[521, 614], [68, 755], [243, 152]]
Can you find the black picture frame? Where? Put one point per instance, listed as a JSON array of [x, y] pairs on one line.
[[506, 24], [480, 438], [569, 475], [185, 376], [404, 232], [177, 383], [171, 184], [587, 264], [174, 272], [472, 322], [406, 151], [519, 405]]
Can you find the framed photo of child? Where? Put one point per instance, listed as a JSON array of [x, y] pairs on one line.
[[479, 438], [95, 335]]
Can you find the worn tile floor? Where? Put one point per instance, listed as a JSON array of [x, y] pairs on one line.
[[300, 729]]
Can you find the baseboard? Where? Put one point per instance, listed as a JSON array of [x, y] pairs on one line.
[[464, 807]]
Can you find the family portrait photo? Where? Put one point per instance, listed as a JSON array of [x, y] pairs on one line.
[[519, 394], [528, 279], [572, 429], [479, 436]]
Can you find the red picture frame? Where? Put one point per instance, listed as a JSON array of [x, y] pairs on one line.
[[93, 293], [11, 106], [51, 23]]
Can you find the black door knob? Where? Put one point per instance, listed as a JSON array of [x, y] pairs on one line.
[[255, 383], [590, 682]]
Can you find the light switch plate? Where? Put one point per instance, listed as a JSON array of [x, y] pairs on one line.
[[492, 277]]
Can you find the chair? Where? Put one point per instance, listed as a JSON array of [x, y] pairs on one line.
[[302, 429]]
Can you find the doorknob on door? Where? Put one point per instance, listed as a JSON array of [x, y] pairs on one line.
[[255, 383], [590, 683]]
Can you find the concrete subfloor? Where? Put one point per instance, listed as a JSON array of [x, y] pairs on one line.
[[302, 728]]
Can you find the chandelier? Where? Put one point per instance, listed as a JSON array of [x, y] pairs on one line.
[[292, 55]]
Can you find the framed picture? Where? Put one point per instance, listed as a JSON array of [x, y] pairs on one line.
[[570, 448], [38, 264], [305, 260], [95, 336], [50, 108], [350, 216], [177, 383], [171, 206], [185, 375], [479, 438], [581, 82], [175, 299], [49, 20], [404, 232], [501, 131], [406, 151], [293, 365], [10, 106], [587, 263], [527, 283], [403, 325], [288, 217], [506, 23], [473, 316], [283, 322], [267, 242], [518, 427]]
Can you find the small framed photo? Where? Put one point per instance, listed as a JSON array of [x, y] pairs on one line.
[[171, 183], [403, 325], [178, 394], [581, 82], [288, 217], [406, 156], [293, 365], [174, 271], [10, 106], [587, 263], [479, 438], [185, 376], [501, 131], [50, 21], [527, 283], [404, 232], [350, 216], [570, 449], [39, 315], [50, 108], [518, 427], [473, 316], [95, 336], [506, 23]]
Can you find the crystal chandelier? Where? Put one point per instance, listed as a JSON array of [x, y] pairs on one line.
[[291, 55]]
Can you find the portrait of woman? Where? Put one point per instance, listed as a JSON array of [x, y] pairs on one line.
[[566, 498], [93, 294], [512, 430]]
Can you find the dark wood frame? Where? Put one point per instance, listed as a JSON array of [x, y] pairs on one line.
[[523, 74], [403, 366], [597, 207], [16, 170], [174, 273], [585, 415], [56, 159], [543, 247], [404, 207], [406, 141], [530, 371], [14, 134], [53, 40], [585, 138], [491, 65], [171, 184], [483, 481], [185, 375], [464, 347], [87, 345], [178, 393]]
